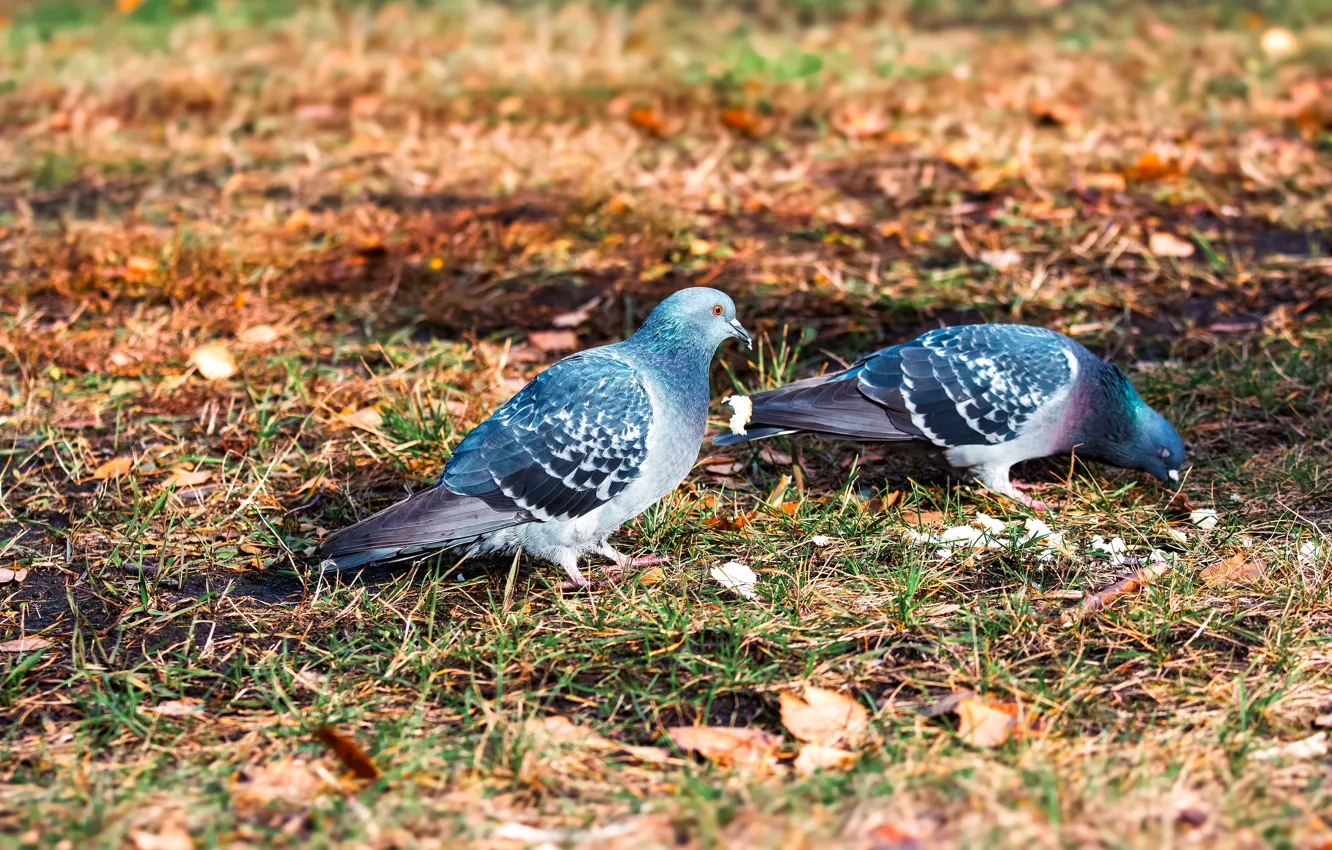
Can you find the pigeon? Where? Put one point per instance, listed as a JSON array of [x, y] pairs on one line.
[[987, 397], [585, 446]]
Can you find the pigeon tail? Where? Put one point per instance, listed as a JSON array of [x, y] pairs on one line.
[[831, 406], [431, 519]]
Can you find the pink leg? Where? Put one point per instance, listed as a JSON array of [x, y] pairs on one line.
[[1034, 504], [648, 560]]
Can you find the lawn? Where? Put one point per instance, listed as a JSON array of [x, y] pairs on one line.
[[262, 265]]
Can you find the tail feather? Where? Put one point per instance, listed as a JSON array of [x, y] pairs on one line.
[[830, 406], [430, 519]]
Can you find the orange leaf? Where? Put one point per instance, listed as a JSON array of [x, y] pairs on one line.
[[1150, 167], [549, 341], [1234, 570], [298, 220], [113, 468], [922, 517], [646, 119], [985, 725], [186, 478], [743, 121], [824, 717], [727, 745], [815, 757], [348, 752], [1055, 113], [127, 6]]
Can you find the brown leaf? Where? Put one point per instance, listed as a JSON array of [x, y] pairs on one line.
[[548, 341], [1055, 113], [922, 517], [298, 220], [186, 478], [169, 838], [1106, 182], [983, 724], [824, 717], [27, 644], [725, 468], [367, 418], [113, 468], [1163, 244], [1236, 569], [575, 318], [770, 455], [728, 745], [214, 361], [348, 752], [258, 335], [286, 782], [746, 122], [175, 707], [815, 757]]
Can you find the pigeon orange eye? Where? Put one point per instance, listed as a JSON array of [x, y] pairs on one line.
[[717, 310]]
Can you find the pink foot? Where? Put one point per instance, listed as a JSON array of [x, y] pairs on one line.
[[648, 560], [613, 577], [1036, 504]]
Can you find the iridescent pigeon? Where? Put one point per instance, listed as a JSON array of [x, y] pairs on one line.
[[586, 446], [986, 397]]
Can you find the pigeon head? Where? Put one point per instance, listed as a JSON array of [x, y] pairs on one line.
[[700, 317], [1129, 434]]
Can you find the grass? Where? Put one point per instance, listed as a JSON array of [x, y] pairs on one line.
[[378, 209]]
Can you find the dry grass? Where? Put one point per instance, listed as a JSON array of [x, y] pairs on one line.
[[379, 209]]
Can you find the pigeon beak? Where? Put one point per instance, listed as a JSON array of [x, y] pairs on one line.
[[740, 333]]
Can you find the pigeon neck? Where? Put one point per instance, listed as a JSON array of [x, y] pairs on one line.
[[1107, 416]]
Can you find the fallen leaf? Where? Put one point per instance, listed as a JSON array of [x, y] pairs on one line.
[[113, 468], [1055, 113], [1001, 260], [548, 341], [816, 757], [367, 418], [1302, 750], [734, 575], [1163, 244], [348, 752], [985, 725], [186, 478], [298, 220], [922, 517], [1106, 182], [1150, 167], [1279, 41], [6, 575], [174, 708], [746, 122], [258, 335], [26, 644], [770, 455], [856, 122], [169, 838], [885, 836], [141, 266], [646, 119], [727, 745], [556, 731], [214, 361], [1233, 570], [577, 317], [286, 782], [725, 468], [824, 717]]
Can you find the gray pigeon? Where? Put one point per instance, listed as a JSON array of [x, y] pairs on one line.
[[587, 445], [987, 397]]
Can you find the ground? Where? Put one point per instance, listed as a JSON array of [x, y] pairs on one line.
[[264, 266]]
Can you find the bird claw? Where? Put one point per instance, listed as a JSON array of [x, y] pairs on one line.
[[649, 561], [615, 573], [1037, 504]]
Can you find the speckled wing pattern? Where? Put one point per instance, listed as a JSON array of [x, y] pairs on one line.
[[567, 443], [970, 385]]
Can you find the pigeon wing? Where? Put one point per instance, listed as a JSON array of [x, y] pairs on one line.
[[973, 384], [566, 444]]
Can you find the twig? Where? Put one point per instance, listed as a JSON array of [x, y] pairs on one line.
[[1132, 583]]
